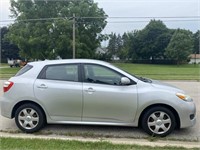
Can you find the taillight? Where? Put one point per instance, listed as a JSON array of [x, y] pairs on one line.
[[7, 85]]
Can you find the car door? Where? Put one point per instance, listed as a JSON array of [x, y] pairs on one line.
[[59, 90], [105, 100]]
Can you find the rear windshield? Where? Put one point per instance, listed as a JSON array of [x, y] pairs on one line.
[[24, 70]]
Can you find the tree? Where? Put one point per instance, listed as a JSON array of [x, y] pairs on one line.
[[196, 49], [123, 53], [8, 50], [112, 45], [151, 42], [43, 29], [134, 45], [180, 46]]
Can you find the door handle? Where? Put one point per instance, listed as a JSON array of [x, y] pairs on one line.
[[42, 86], [90, 90]]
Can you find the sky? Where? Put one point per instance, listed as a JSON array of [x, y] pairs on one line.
[[152, 9], [165, 10]]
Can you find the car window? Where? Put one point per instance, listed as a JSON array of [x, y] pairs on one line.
[[101, 75], [61, 72], [24, 70]]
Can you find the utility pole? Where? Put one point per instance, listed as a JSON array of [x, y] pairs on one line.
[[0, 45], [74, 37]]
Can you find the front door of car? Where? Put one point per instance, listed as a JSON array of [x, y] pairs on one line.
[[105, 99], [58, 89]]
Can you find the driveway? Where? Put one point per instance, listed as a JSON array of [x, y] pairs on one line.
[[193, 133]]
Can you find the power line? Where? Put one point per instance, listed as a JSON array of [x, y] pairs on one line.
[[105, 17], [135, 17], [39, 19], [148, 21]]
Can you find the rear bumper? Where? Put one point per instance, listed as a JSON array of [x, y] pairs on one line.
[[6, 107]]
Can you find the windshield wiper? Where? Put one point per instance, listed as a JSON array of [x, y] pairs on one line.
[[145, 80]]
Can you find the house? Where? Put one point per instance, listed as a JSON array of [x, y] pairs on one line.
[[100, 50], [194, 59]]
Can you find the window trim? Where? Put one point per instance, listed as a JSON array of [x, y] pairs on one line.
[[64, 64], [83, 74]]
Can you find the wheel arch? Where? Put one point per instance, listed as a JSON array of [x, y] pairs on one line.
[[17, 105], [161, 105]]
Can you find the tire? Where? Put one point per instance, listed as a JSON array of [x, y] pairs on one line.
[[158, 121], [29, 118]]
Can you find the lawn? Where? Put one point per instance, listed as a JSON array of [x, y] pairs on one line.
[[159, 72], [6, 73], [42, 144], [163, 72]]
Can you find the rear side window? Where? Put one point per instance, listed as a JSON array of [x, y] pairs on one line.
[[60, 72], [24, 70]]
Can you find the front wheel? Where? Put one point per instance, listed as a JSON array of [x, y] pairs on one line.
[[29, 118], [158, 121]]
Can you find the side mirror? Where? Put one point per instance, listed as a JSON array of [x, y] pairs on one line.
[[125, 81]]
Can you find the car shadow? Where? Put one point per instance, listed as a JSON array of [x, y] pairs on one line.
[[102, 131], [94, 131]]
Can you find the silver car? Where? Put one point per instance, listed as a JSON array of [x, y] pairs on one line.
[[93, 92]]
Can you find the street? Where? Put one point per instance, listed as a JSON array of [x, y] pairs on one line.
[[191, 87]]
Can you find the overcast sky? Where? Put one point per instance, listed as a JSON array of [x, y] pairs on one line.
[[150, 8], [139, 8]]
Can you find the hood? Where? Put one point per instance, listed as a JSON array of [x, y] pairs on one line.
[[165, 86]]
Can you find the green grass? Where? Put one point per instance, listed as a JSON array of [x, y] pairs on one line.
[[3, 65], [42, 144], [159, 72], [6, 73], [163, 72]]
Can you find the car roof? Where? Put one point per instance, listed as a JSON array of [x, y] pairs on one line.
[[63, 61]]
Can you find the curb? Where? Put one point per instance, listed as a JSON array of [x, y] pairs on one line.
[[127, 141]]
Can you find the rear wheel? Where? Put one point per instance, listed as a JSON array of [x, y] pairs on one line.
[[158, 121], [29, 118]]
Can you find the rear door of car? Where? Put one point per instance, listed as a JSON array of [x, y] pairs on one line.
[[105, 100], [59, 90]]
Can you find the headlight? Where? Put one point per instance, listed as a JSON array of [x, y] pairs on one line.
[[184, 97]]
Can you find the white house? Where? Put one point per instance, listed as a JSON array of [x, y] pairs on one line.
[[100, 50], [194, 59]]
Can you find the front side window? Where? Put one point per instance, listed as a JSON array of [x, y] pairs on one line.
[[61, 72], [101, 75]]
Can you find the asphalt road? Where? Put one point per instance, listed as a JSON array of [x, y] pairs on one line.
[[193, 133]]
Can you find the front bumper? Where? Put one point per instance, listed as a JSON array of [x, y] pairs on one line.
[[187, 114]]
